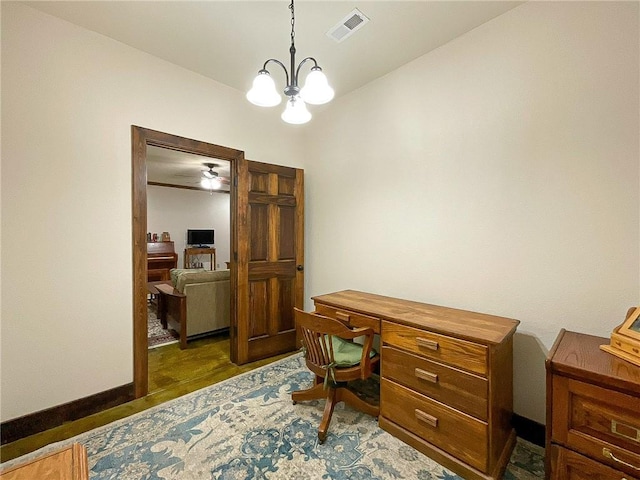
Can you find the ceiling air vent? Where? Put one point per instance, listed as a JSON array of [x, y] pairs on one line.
[[348, 26]]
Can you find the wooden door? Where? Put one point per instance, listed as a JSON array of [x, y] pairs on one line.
[[269, 254]]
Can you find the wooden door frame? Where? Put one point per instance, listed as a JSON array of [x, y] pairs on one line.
[[140, 138]]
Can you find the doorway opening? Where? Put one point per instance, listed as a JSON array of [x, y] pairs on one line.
[[146, 144], [188, 259]]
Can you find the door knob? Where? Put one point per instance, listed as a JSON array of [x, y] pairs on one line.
[[300, 268]]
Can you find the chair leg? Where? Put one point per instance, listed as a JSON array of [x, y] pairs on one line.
[[350, 398], [314, 393], [328, 411]]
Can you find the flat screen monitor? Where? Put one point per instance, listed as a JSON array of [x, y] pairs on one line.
[[200, 237]]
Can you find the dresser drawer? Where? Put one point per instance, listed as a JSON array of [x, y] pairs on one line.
[[600, 423], [462, 436], [569, 465], [453, 351], [351, 319], [461, 390]]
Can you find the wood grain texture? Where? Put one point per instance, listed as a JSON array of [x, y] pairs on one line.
[[463, 436], [569, 465], [69, 463], [269, 253], [350, 319], [579, 356], [435, 379], [453, 351], [477, 327], [593, 409], [461, 390]]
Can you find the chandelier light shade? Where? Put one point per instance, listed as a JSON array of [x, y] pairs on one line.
[[296, 111], [263, 92], [316, 90]]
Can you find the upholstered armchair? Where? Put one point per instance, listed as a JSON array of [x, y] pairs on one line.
[[198, 302]]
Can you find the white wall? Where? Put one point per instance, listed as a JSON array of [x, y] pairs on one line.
[[175, 210], [69, 98], [498, 173]]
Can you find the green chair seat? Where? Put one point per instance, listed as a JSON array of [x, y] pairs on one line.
[[346, 353]]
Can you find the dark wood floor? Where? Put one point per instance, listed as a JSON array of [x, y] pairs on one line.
[[172, 373]]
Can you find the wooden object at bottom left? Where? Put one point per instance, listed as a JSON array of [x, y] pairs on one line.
[[69, 463]]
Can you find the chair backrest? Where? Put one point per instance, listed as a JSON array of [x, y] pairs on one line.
[[317, 331]]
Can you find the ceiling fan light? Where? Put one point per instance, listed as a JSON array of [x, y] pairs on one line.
[[296, 111], [263, 93], [316, 90], [211, 183]]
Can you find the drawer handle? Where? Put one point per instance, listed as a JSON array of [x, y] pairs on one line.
[[626, 431], [426, 418], [428, 376], [426, 343], [609, 454], [343, 317]]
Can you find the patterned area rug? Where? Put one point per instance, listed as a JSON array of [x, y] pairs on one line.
[[248, 428], [157, 335]]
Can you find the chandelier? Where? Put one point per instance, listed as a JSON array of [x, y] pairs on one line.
[[316, 90]]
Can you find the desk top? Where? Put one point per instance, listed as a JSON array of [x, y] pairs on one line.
[[479, 327]]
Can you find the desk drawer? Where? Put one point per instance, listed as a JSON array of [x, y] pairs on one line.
[[453, 351], [460, 435], [464, 391], [600, 423], [351, 319], [569, 465]]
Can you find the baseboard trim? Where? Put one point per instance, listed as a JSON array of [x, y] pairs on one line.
[[37, 422], [529, 430]]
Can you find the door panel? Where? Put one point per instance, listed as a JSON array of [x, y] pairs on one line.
[[269, 250]]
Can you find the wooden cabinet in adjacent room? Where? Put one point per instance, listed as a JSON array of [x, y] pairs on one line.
[[593, 411], [161, 258]]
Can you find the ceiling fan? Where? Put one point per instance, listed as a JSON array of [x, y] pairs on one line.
[[210, 179]]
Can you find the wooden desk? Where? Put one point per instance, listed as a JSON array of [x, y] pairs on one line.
[[593, 411], [193, 252], [69, 463], [446, 383]]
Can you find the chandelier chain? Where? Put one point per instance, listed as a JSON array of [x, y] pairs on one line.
[[293, 21]]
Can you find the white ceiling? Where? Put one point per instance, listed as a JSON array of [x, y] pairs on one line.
[[178, 168], [229, 41]]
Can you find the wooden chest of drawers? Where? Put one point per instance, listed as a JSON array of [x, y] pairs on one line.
[[68, 463], [593, 411], [446, 383]]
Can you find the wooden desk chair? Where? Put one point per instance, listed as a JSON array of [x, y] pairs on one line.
[[335, 360]]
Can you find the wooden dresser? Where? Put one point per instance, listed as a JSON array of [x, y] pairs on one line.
[[69, 463], [593, 411], [446, 378]]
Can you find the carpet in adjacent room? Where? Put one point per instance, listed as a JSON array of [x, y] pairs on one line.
[[158, 336]]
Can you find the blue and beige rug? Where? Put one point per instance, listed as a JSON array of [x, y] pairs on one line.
[[248, 428]]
